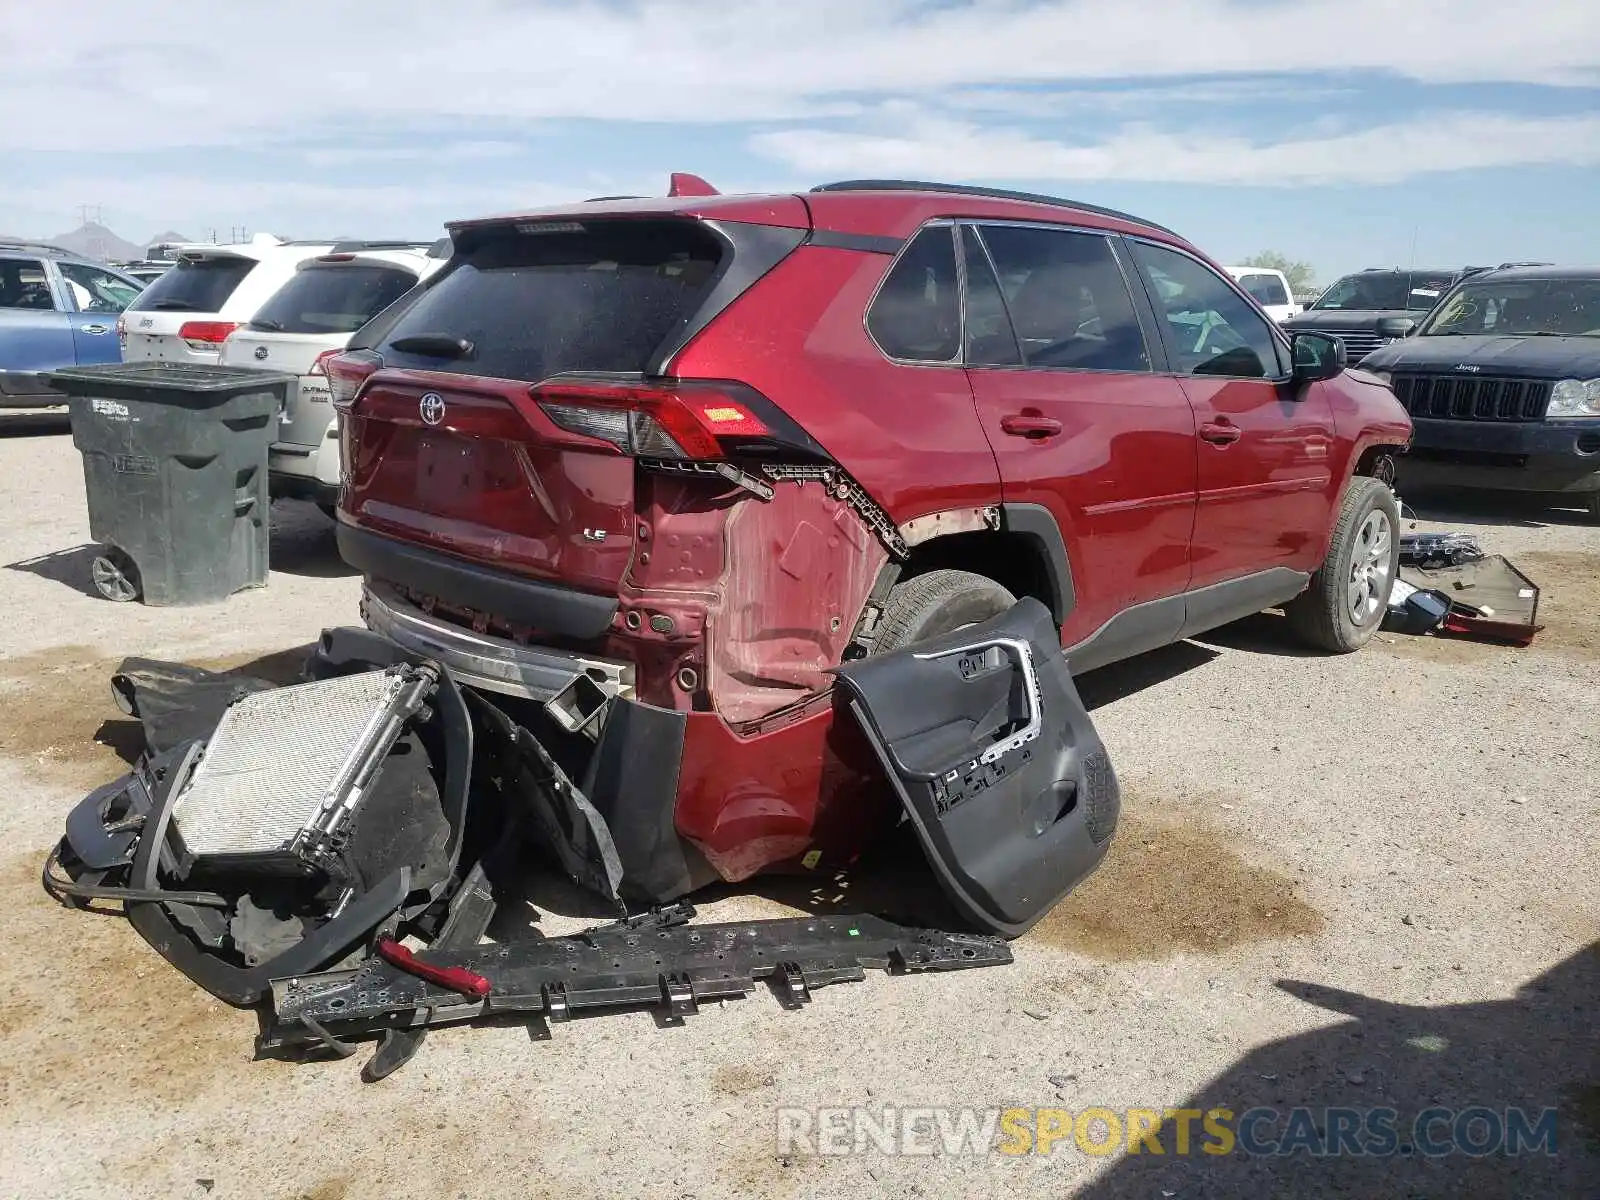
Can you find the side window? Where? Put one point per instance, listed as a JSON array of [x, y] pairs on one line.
[[1067, 299], [917, 313], [1211, 329], [23, 284], [1267, 289], [97, 291], [991, 342]]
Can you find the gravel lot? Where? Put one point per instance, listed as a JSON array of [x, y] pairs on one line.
[[1365, 881]]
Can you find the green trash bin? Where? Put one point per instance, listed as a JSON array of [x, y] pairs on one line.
[[175, 467]]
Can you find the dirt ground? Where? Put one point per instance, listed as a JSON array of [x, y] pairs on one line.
[[1370, 881]]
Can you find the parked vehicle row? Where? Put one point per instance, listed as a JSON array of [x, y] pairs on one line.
[[1502, 381]]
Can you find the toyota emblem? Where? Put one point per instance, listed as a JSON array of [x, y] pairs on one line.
[[261, 351], [431, 406]]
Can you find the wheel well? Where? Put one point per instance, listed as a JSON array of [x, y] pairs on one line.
[[1378, 462], [1016, 561]]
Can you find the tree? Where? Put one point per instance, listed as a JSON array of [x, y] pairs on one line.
[[1302, 276]]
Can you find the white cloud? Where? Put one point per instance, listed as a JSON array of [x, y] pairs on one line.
[[104, 74], [928, 146]]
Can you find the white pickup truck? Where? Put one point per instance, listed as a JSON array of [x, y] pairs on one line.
[[1270, 289]]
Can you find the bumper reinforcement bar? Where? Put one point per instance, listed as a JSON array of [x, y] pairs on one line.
[[656, 959]]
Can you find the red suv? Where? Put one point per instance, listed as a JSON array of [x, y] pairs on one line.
[[662, 465]]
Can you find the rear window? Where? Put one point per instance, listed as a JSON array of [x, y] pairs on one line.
[[532, 304], [333, 298], [1267, 289], [194, 285]]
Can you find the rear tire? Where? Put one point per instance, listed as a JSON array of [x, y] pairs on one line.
[[939, 602], [1345, 603]]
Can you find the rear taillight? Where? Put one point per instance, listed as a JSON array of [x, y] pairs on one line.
[[320, 365], [206, 335], [699, 419], [347, 370], [122, 331]]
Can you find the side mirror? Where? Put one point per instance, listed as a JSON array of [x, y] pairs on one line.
[[1395, 327], [1317, 356]]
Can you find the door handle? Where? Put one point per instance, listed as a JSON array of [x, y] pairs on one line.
[[97, 329], [1018, 425], [1220, 433]]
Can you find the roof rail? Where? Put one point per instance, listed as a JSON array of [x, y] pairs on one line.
[[38, 247], [599, 199], [959, 189], [1504, 266], [347, 247]]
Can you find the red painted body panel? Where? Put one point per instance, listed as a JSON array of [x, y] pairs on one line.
[[751, 803], [908, 434], [1119, 478], [1267, 499]]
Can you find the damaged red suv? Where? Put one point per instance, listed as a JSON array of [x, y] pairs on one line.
[[654, 470]]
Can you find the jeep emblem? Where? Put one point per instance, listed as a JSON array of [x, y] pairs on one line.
[[1468, 367], [431, 406]]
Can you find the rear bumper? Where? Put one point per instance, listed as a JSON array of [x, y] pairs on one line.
[[482, 661], [1547, 456], [560, 612], [301, 472]]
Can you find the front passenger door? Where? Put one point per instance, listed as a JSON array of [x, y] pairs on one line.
[[98, 298], [1266, 486]]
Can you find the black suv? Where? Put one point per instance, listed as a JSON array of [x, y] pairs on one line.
[[1353, 307], [1502, 381]]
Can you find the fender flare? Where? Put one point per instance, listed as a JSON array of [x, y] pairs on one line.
[[1037, 524]]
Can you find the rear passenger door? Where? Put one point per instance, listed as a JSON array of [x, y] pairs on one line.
[[1265, 445], [1083, 424], [35, 334]]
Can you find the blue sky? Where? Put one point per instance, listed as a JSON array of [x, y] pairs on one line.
[[1347, 133]]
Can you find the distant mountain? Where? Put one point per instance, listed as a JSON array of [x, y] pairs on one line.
[[96, 241]]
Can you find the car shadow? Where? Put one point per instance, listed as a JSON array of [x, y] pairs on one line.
[[34, 422], [1490, 509], [303, 542], [1538, 1051], [1108, 684], [1259, 633]]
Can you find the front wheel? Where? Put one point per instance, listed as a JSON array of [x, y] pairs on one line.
[[1347, 598]]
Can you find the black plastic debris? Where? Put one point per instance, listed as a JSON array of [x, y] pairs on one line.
[[1432, 550], [657, 960], [1415, 610]]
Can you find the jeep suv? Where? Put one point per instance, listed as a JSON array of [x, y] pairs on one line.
[[669, 463], [1503, 382]]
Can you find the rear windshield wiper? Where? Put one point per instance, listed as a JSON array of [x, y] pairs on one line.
[[172, 304], [434, 345], [267, 326]]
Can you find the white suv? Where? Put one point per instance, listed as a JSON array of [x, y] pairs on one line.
[[326, 299], [185, 315]]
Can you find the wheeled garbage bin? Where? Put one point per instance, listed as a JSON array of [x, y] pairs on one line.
[[175, 466]]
